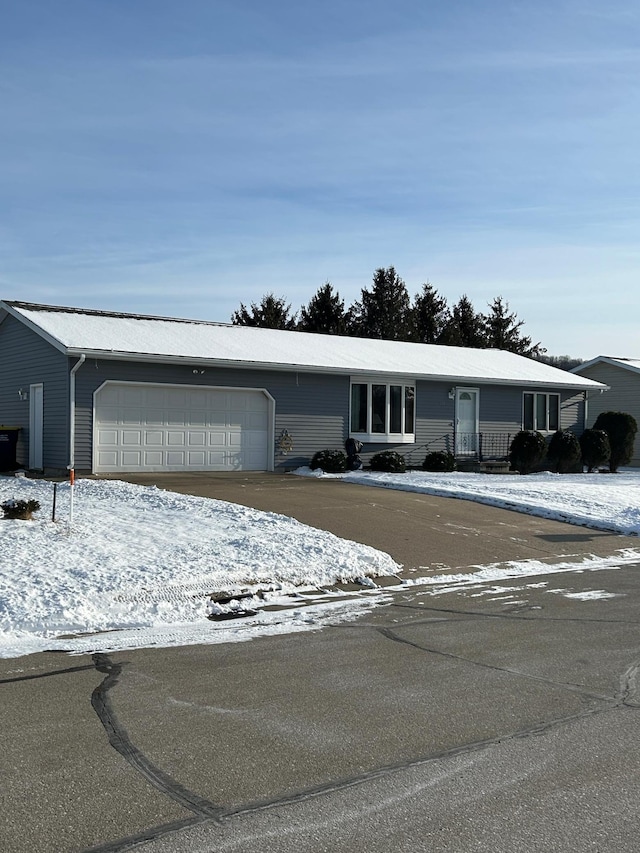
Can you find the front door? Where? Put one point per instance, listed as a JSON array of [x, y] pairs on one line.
[[35, 426], [466, 421]]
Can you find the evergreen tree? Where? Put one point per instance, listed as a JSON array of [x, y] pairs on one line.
[[325, 313], [502, 330], [465, 328], [385, 310], [271, 313], [430, 315]]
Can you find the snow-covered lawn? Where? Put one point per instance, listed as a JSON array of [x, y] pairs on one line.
[[603, 501], [137, 563], [142, 558]]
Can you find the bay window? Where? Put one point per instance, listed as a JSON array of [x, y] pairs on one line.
[[382, 411]]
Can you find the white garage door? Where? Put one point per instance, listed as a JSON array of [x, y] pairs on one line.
[[173, 428]]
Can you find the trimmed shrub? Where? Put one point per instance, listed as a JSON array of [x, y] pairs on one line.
[[439, 460], [19, 509], [621, 429], [388, 461], [330, 461], [564, 452], [595, 447], [527, 450]]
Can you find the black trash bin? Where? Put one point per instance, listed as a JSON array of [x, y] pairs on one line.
[[8, 444]]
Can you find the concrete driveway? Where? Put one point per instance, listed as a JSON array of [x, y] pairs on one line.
[[469, 719], [417, 530]]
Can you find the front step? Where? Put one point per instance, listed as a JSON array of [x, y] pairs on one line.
[[493, 466]]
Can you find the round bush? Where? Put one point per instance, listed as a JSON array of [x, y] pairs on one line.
[[439, 460], [564, 452], [595, 447], [528, 448], [388, 461], [621, 429], [330, 461]]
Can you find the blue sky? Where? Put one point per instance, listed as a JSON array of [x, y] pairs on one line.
[[179, 158]]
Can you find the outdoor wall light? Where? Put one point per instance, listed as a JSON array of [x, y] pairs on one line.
[[452, 393], [22, 394]]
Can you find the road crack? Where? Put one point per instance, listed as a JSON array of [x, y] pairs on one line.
[[121, 742]]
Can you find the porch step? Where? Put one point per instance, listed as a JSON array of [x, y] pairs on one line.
[[492, 466]]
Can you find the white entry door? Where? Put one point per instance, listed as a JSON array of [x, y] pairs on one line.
[[466, 421], [36, 409], [153, 427]]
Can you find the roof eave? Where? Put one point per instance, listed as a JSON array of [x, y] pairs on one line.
[[151, 358], [34, 327], [605, 359]]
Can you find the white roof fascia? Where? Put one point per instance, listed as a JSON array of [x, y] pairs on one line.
[[114, 355], [607, 359]]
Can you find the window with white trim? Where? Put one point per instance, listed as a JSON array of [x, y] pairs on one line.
[[382, 411], [541, 412]]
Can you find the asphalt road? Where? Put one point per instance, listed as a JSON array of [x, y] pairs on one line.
[[474, 719]]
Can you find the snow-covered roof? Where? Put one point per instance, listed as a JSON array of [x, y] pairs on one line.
[[130, 336], [626, 363]]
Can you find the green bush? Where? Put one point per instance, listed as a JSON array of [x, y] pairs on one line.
[[621, 429], [19, 508], [439, 460], [527, 450], [330, 461], [595, 447], [564, 452], [388, 461]]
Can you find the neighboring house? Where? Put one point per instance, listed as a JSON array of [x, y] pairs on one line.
[[107, 393], [622, 375]]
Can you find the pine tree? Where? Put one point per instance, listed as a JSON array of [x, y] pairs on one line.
[[465, 328], [430, 315], [271, 313], [502, 330], [385, 310], [325, 313]]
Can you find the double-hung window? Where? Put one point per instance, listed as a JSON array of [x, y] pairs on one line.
[[382, 411], [541, 412]]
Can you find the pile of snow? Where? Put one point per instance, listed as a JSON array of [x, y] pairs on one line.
[[138, 557]]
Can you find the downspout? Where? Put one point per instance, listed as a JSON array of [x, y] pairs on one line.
[[586, 410], [72, 429]]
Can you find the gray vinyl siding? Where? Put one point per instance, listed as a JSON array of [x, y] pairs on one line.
[[572, 412], [623, 396], [312, 408], [26, 359]]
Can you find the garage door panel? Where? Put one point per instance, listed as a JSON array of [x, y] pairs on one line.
[[196, 439], [107, 437], [131, 438], [154, 417], [175, 438], [132, 396], [177, 399], [108, 459], [192, 429]]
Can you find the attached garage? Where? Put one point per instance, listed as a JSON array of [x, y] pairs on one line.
[[157, 427]]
